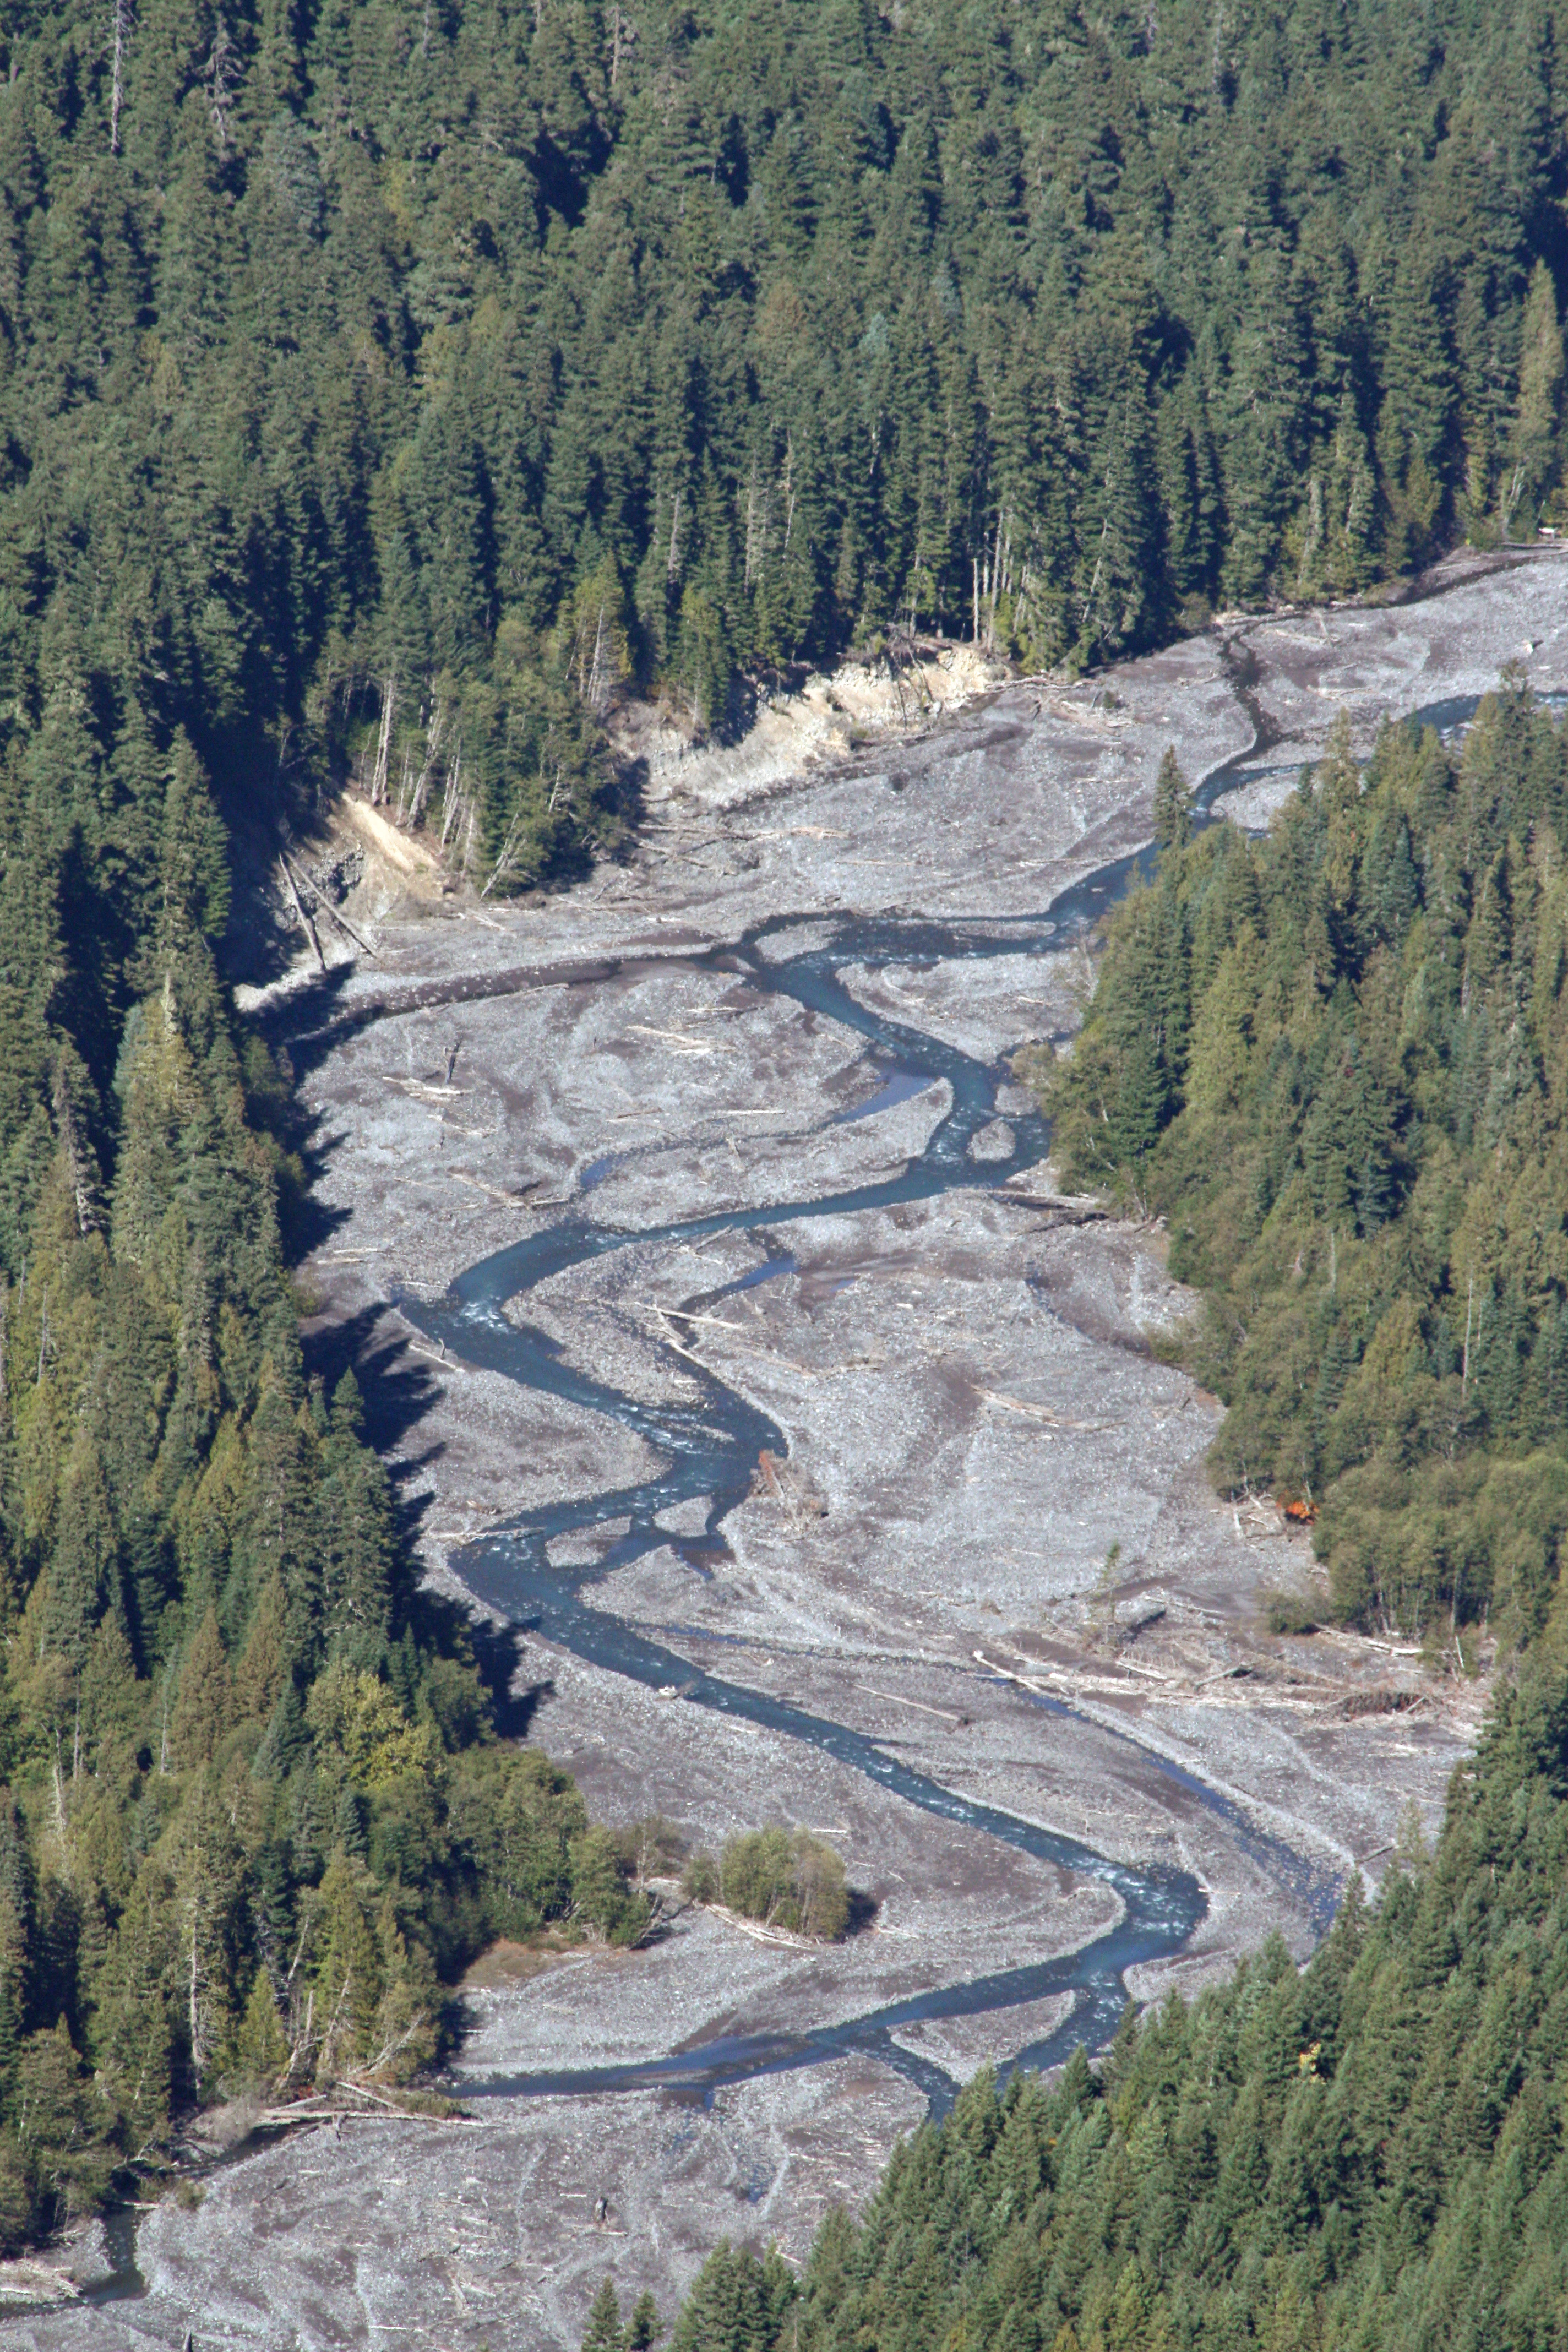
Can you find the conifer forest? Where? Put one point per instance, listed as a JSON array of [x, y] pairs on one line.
[[1335, 1058], [389, 393]]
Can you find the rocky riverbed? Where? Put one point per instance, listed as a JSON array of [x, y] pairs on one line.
[[985, 1543]]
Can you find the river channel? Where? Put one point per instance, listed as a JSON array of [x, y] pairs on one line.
[[710, 1449], [776, 926]]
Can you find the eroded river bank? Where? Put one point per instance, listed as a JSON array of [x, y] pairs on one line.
[[721, 1157]]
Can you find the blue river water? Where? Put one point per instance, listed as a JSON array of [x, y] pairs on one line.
[[709, 1448]]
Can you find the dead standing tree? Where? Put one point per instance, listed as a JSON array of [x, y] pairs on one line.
[[622, 40], [452, 803], [120, 36], [83, 1187], [384, 744], [432, 746], [759, 516], [220, 89]]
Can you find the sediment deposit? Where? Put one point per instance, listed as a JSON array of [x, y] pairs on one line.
[[972, 1420]]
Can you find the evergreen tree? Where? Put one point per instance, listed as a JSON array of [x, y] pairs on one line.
[[60, 2125], [262, 1673], [1535, 454], [1173, 804], [605, 2333], [132, 2034], [643, 2330], [204, 1708], [261, 2046]]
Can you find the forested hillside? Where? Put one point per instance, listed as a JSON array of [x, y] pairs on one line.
[[1337, 1060], [253, 1806], [1369, 2152], [385, 381]]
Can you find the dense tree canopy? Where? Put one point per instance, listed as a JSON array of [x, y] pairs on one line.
[[254, 1809], [1337, 1060], [1370, 2151], [381, 382]]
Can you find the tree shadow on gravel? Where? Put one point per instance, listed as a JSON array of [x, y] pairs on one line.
[[398, 1391], [498, 1654], [397, 1388], [308, 1021], [864, 1912]]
